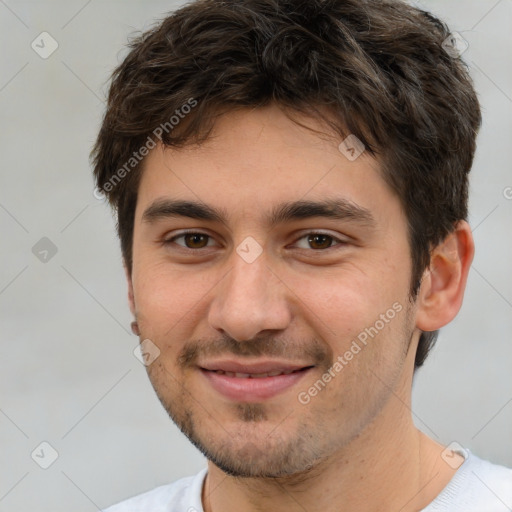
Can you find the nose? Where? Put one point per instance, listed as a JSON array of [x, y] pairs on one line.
[[251, 298]]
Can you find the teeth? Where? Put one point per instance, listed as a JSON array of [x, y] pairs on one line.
[[275, 373]]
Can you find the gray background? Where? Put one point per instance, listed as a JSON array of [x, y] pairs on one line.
[[68, 374]]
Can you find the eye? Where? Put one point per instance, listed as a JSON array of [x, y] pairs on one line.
[[318, 241], [192, 240], [195, 240]]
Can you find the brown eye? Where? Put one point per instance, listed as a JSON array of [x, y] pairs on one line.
[[189, 240], [195, 240], [320, 241]]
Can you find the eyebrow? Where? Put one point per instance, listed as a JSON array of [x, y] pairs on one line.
[[338, 209]]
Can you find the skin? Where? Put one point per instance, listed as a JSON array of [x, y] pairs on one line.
[[354, 445]]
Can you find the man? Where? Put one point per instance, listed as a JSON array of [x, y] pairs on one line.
[[290, 183]]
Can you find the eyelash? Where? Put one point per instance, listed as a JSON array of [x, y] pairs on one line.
[[171, 240]]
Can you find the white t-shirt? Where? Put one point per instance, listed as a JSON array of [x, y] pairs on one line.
[[477, 486]]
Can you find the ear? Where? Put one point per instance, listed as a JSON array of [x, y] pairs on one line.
[[131, 300], [443, 284]]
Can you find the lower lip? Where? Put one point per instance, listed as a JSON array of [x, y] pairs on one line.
[[252, 390]]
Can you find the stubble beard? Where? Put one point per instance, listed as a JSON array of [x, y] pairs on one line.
[[235, 453]]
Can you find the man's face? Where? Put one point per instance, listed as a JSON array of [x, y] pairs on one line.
[[271, 287]]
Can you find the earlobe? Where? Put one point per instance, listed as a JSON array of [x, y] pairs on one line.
[[135, 328], [442, 288]]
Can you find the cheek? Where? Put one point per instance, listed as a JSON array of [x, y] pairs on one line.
[[363, 319], [340, 305], [168, 298]]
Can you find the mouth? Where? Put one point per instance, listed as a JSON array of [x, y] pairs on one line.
[[238, 375], [252, 382]]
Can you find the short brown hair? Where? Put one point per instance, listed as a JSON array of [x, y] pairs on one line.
[[379, 66]]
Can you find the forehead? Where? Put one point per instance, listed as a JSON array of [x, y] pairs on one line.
[[256, 159]]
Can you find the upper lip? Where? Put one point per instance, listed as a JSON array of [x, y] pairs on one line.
[[251, 368]]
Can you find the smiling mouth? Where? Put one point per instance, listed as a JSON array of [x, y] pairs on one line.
[[253, 383], [274, 373]]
